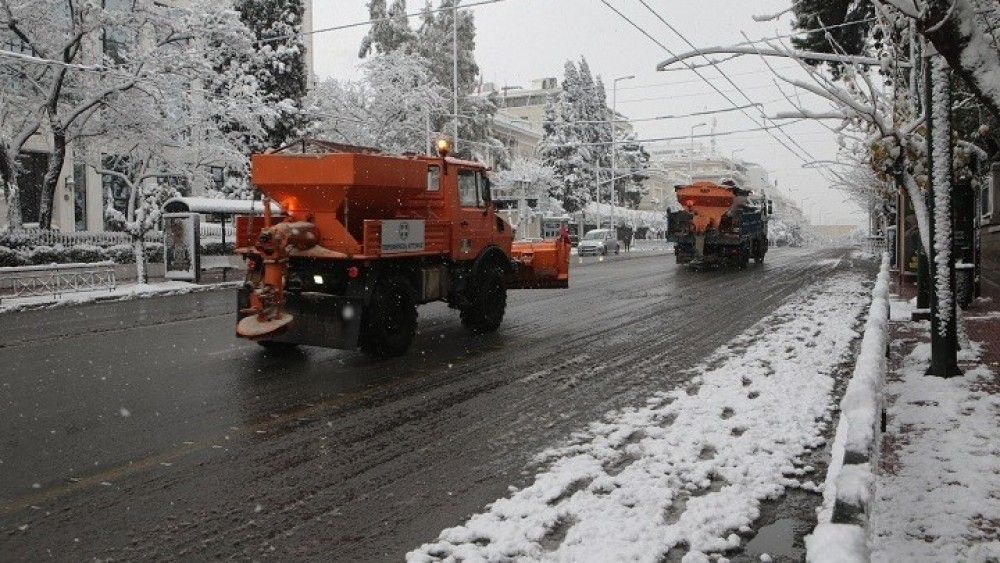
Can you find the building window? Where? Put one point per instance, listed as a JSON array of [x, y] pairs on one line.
[[80, 196], [986, 201], [30, 176]]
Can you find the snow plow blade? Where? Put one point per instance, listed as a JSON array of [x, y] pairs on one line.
[[540, 265]]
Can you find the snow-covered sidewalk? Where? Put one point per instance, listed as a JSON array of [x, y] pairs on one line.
[[689, 469], [120, 293], [937, 497]]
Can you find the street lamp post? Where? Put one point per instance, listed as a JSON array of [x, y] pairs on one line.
[[691, 152], [614, 148]]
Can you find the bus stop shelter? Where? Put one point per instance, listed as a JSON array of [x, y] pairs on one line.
[[182, 231]]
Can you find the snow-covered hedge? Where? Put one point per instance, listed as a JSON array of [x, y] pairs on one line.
[[81, 253], [59, 254], [840, 535]]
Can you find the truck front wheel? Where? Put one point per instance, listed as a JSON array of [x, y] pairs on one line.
[[390, 323], [488, 302]]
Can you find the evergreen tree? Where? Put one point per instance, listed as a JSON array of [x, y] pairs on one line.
[[390, 31], [435, 42], [633, 162], [563, 148], [282, 76], [594, 126], [816, 14]]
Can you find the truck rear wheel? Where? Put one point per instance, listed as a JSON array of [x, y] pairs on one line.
[[390, 322], [758, 253], [488, 303]]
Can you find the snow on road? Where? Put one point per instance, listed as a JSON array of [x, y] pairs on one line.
[[691, 466]]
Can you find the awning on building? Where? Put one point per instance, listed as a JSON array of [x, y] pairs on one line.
[[218, 206]]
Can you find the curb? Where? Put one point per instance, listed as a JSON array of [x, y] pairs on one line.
[[59, 304], [842, 532]]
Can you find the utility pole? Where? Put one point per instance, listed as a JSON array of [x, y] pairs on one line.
[[614, 148], [597, 179], [944, 334], [454, 71]]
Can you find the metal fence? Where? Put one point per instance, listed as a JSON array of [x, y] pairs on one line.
[[55, 279], [39, 237]]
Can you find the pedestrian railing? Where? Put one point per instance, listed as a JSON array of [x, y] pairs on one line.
[[30, 237], [38, 237], [56, 279]]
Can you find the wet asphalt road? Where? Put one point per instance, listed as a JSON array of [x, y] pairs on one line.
[[144, 429]]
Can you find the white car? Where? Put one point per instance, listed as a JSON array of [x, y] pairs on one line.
[[599, 242]]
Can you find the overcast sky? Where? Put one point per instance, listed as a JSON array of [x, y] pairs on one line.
[[519, 40]]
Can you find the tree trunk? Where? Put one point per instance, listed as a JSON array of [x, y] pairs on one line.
[[139, 250], [944, 344], [958, 34], [51, 181], [11, 190]]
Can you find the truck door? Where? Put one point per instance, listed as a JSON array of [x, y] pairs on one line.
[[475, 223]]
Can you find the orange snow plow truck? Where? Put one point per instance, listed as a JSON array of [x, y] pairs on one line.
[[365, 237]]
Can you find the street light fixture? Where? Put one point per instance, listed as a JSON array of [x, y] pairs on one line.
[[691, 151], [614, 149]]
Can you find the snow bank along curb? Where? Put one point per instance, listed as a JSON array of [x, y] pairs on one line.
[[122, 293], [688, 469], [841, 534]]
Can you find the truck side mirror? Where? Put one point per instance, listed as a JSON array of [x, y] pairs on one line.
[[770, 207]]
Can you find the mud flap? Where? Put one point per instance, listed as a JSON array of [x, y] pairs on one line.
[[318, 319], [699, 246]]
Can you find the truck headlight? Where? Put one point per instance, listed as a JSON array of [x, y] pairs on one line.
[[318, 279]]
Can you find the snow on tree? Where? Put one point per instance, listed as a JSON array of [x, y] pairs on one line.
[[16, 127], [632, 165], [62, 90], [389, 108], [435, 43], [527, 178], [965, 33], [941, 156], [156, 139], [593, 124], [563, 148], [849, 22], [390, 29], [54, 98], [277, 60]]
